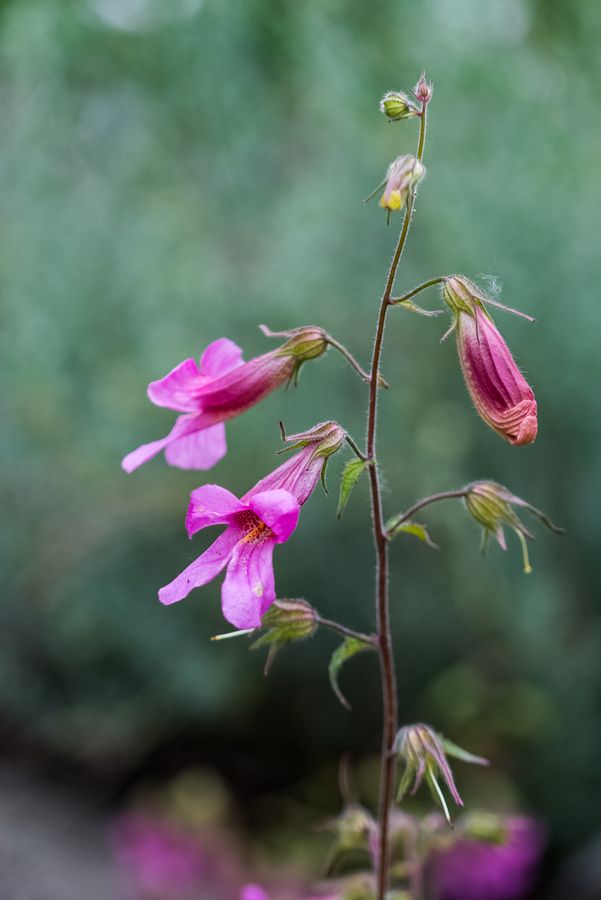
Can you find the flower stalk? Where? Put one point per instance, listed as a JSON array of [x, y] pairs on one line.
[[385, 650]]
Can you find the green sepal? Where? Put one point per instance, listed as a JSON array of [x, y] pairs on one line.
[[452, 749], [404, 783], [409, 527], [349, 647], [351, 473]]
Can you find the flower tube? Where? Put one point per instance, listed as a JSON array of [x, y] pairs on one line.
[[499, 391], [221, 387]]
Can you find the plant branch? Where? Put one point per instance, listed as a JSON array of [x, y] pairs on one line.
[[417, 290], [355, 449], [387, 667], [354, 363], [433, 498], [347, 632]]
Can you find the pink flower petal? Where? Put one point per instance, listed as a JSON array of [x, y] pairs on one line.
[[202, 570], [246, 385], [200, 450], [220, 357], [184, 425], [179, 389], [211, 504], [278, 509], [248, 590]]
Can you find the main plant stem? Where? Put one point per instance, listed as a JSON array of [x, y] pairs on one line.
[[384, 637]]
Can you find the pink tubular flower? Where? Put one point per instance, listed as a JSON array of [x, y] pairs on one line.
[[220, 387], [301, 472], [266, 515], [499, 391], [254, 527]]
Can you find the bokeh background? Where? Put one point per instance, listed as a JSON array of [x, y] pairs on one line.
[[177, 170]]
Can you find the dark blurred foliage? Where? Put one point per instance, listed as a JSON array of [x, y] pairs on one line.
[[177, 170]]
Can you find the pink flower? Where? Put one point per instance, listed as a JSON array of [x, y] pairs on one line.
[[163, 860], [471, 867], [266, 515], [499, 391], [254, 527], [253, 892], [220, 387]]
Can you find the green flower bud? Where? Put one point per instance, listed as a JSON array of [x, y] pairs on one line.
[[286, 621], [397, 106]]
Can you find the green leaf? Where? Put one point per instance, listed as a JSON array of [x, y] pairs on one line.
[[350, 476], [348, 648], [419, 531]]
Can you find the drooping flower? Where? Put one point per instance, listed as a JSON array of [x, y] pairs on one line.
[[491, 505], [424, 754], [265, 516], [402, 176], [220, 387], [499, 391]]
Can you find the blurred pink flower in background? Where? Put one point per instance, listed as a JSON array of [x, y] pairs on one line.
[[162, 860], [476, 869]]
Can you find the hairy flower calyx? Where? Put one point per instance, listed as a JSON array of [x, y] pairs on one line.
[[424, 754], [491, 506], [397, 106]]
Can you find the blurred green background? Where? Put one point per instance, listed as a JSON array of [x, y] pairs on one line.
[[177, 170]]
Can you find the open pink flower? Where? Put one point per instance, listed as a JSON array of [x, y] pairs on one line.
[[254, 527], [265, 516], [220, 387], [499, 391]]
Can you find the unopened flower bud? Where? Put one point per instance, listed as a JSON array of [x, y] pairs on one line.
[[491, 505], [424, 754], [423, 89], [355, 829], [402, 176], [397, 106], [499, 391], [289, 620]]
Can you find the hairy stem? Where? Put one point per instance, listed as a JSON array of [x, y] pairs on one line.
[[433, 498], [387, 667]]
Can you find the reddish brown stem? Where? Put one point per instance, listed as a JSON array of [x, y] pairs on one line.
[[387, 667]]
